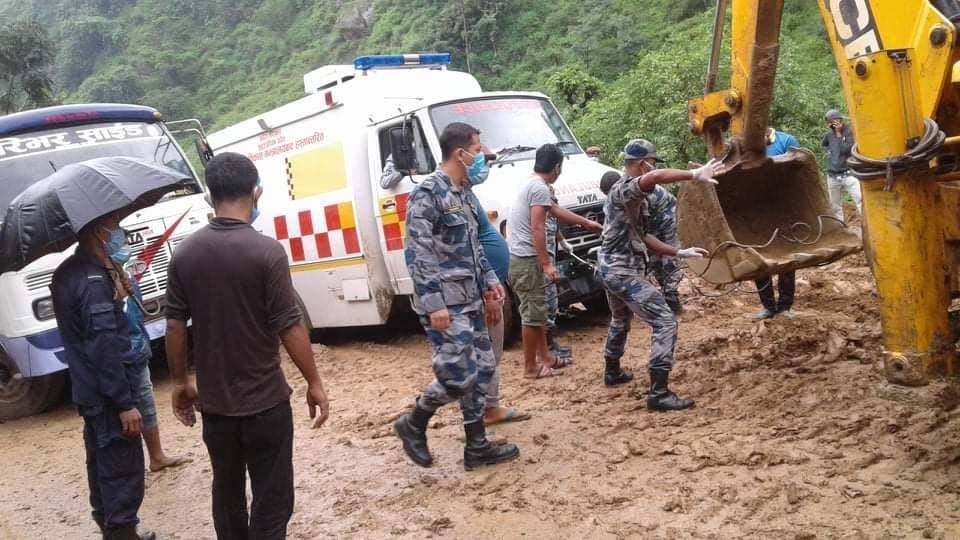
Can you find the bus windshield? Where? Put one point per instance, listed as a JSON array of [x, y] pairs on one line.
[[28, 157], [513, 127]]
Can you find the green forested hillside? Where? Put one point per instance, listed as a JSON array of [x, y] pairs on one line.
[[618, 68]]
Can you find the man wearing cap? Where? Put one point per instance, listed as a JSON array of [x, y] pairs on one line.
[[838, 143], [621, 268], [663, 225]]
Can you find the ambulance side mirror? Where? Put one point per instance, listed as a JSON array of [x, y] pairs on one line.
[[203, 150], [401, 146]]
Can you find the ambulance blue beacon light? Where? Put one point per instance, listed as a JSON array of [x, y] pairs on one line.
[[364, 63]]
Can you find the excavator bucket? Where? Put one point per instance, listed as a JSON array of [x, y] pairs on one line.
[[764, 217]]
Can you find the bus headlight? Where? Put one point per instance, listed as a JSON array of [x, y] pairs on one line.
[[43, 309]]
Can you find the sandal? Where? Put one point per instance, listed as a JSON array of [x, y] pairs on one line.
[[560, 362], [512, 416], [544, 372]]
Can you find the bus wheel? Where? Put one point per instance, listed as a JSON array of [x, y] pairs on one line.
[[21, 396]]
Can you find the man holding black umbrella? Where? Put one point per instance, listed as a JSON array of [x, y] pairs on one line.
[[105, 374], [83, 203]]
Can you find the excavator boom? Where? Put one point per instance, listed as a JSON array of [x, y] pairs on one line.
[[767, 215], [899, 66]]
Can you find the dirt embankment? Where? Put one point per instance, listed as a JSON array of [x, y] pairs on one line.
[[795, 435]]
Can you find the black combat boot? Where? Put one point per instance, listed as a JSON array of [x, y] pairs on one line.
[[478, 450], [559, 351], [613, 374], [661, 398], [412, 430], [673, 302]]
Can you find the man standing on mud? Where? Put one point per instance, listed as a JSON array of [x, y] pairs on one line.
[[778, 143], [838, 144], [105, 375], [621, 269], [452, 278], [531, 231], [234, 283]]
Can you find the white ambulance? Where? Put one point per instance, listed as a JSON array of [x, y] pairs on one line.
[[321, 157]]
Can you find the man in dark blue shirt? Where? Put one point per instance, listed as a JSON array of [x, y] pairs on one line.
[[495, 248], [87, 291]]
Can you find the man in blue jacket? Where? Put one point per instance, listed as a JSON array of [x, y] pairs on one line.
[[105, 375]]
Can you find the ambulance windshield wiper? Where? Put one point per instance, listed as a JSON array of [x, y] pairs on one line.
[[506, 152], [514, 150]]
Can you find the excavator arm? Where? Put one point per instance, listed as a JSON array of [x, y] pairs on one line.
[[898, 62]]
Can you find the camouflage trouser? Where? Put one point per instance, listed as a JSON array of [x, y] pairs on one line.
[[629, 295], [553, 307], [663, 225], [463, 364]]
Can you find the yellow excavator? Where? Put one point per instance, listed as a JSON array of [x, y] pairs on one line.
[[899, 62]]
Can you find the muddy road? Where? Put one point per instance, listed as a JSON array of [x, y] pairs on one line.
[[795, 435]]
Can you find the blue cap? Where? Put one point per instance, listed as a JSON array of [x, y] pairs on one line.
[[640, 149]]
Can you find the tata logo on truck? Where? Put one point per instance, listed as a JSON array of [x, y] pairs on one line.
[[588, 198]]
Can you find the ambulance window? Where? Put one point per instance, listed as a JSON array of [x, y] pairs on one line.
[[425, 161]]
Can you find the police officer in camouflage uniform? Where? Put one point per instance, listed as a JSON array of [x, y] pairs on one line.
[[622, 264], [563, 354], [663, 225], [450, 274]]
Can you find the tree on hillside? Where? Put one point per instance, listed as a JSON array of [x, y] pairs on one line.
[[25, 56], [575, 86]]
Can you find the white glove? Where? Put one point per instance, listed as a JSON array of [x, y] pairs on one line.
[[692, 253], [707, 172]]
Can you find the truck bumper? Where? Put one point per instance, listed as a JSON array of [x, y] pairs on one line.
[[42, 354], [578, 284]]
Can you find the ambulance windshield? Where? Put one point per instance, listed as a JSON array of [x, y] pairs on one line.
[[513, 127]]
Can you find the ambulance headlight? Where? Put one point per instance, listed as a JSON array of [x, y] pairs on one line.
[[43, 309]]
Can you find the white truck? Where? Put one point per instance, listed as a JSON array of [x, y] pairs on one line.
[[34, 144], [320, 159]]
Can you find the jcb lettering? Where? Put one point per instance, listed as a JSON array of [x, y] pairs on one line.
[[855, 27]]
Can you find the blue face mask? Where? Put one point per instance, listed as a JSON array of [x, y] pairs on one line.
[[478, 170], [116, 247]]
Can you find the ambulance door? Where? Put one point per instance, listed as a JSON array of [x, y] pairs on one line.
[[391, 203], [309, 208]]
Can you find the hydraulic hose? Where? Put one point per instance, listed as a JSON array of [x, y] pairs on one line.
[[917, 157]]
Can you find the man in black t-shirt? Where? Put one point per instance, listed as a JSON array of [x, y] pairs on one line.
[[234, 283]]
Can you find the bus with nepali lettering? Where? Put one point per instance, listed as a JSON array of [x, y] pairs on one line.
[[34, 144]]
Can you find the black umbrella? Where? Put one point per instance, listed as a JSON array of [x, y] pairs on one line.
[[46, 217]]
